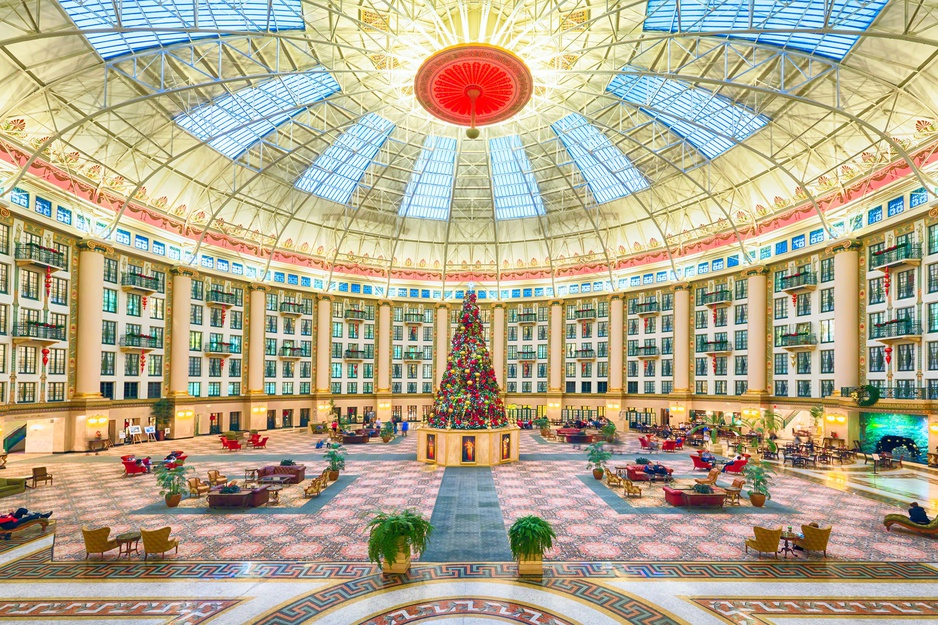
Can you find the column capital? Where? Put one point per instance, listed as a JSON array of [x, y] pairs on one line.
[[681, 286], [440, 305], [613, 297], [756, 270], [90, 245], [185, 271], [257, 286], [385, 302], [501, 305], [847, 245], [326, 297], [555, 302]]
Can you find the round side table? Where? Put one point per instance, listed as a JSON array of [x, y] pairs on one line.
[[128, 543], [274, 492]]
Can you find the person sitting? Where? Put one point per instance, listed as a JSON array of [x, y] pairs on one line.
[[708, 457], [725, 466], [656, 469], [653, 444], [799, 547], [14, 519], [320, 443], [917, 514]]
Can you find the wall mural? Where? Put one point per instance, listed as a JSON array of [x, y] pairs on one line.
[[882, 432]]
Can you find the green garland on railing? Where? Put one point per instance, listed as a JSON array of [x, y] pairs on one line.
[[872, 396]]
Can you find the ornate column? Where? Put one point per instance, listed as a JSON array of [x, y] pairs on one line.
[[90, 295], [847, 310], [555, 360], [442, 341], [324, 346], [757, 303], [383, 385], [182, 424], [616, 349], [682, 321], [498, 343], [256, 409]]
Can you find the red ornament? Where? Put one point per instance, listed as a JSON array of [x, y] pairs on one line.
[[211, 417], [473, 84], [714, 316], [45, 356], [886, 280], [645, 324], [714, 364], [143, 361], [888, 351], [794, 299], [223, 316], [144, 302], [48, 281]]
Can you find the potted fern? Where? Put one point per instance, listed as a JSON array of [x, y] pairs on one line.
[[395, 536], [529, 537], [703, 489], [172, 482], [642, 460], [758, 475], [543, 424], [596, 458], [335, 456], [608, 432], [387, 432]]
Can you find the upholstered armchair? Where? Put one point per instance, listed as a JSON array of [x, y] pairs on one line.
[[711, 478], [197, 487], [766, 540], [40, 475], [815, 538], [612, 480], [732, 492], [315, 487], [631, 489], [158, 541], [97, 541], [215, 478]]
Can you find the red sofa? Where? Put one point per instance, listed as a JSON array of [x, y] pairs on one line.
[[690, 499], [296, 471], [636, 473]]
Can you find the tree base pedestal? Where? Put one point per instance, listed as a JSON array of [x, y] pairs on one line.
[[462, 448]]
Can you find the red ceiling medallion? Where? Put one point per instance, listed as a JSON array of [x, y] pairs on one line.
[[473, 84]]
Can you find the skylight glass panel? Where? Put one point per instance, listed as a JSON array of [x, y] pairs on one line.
[[430, 188], [336, 172], [236, 121], [513, 183], [139, 16], [709, 112], [701, 15], [609, 174]]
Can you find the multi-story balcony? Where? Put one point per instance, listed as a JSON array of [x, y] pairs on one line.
[[891, 392], [798, 341], [801, 282], [647, 352], [218, 348], [413, 318], [221, 299], [136, 282], [139, 342], [293, 352], [354, 313], [647, 309], [717, 299], [527, 317], [899, 330], [584, 313], [896, 256], [714, 347], [585, 354], [39, 256], [293, 309], [355, 354], [38, 332], [528, 354], [413, 354]]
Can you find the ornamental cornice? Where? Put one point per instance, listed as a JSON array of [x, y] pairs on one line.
[[555, 302], [440, 305], [90, 245], [847, 245], [184, 270], [385, 302], [757, 270], [257, 286], [326, 297], [682, 286]]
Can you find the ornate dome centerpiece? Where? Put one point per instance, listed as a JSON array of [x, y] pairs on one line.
[[473, 84]]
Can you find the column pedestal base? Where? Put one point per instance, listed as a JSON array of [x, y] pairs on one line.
[[462, 448]]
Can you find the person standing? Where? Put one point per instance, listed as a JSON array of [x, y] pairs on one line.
[[404, 427]]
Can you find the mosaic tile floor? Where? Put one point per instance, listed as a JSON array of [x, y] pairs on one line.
[[304, 561]]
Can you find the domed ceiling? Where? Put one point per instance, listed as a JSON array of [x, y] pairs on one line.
[[290, 129]]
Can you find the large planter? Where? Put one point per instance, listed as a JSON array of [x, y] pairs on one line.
[[401, 564], [333, 476], [598, 474], [545, 432], [757, 499], [386, 439], [173, 500], [534, 566]]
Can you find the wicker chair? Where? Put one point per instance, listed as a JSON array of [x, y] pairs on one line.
[[612, 480], [815, 538], [766, 540], [158, 541], [711, 478], [630, 488], [198, 487], [97, 541], [215, 478]]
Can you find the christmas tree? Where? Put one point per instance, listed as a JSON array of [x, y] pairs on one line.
[[468, 396]]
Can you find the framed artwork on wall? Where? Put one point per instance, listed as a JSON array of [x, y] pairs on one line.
[[468, 450], [431, 446]]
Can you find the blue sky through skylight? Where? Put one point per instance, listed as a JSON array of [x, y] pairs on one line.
[[336, 172], [271, 103], [608, 172], [430, 188], [513, 183], [719, 114], [707, 15], [249, 15]]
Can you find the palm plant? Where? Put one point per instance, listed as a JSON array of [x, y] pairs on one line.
[[710, 422], [758, 475], [608, 431], [541, 423], [387, 430], [335, 456], [597, 456], [172, 481], [529, 537], [817, 414], [394, 534]]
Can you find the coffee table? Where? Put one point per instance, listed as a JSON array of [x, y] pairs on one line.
[[278, 480], [787, 548], [127, 543], [274, 492]]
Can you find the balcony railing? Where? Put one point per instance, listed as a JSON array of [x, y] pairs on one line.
[[584, 313], [140, 281], [797, 340], [712, 347], [527, 317], [36, 253], [896, 328], [353, 313], [723, 296], [42, 331], [141, 341], [895, 392], [798, 280], [526, 355], [293, 308], [646, 350], [584, 353], [895, 255], [413, 355], [413, 317], [221, 297], [647, 308], [294, 352], [218, 348], [355, 354]]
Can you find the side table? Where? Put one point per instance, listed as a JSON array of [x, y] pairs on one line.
[[787, 548], [128, 543], [250, 475], [274, 492]]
